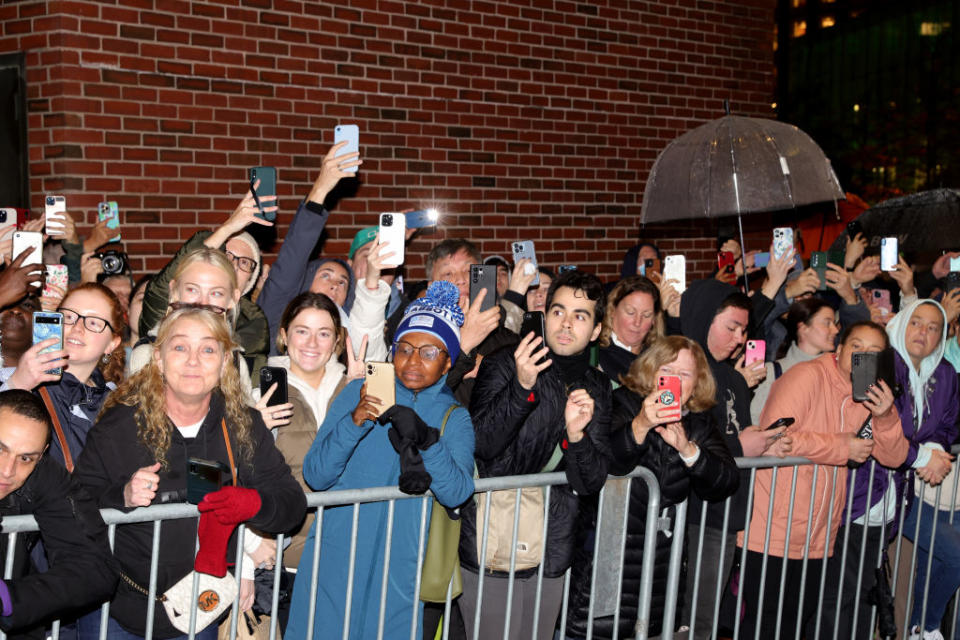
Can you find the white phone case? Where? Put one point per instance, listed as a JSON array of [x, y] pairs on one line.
[[782, 241], [393, 235], [888, 254], [22, 240], [675, 268], [54, 206]]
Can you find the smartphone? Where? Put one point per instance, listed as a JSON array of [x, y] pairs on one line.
[[380, 384], [484, 276], [954, 262], [675, 268], [532, 321], [8, 221], [47, 325], [952, 282], [725, 261], [23, 240], [648, 266], [350, 133], [525, 249], [422, 218], [761, 259], [110, 212], [56, 275], [268, 187], [781, 422], [881, 299], [888, 254], [670, 391], [393, 231], [756, 352], [818, 262], [566, 267], [203, 477], [782, 241], [269, 375], [853, 228], [54, 208]]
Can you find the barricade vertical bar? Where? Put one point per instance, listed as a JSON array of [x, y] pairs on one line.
[[421, 547], [8, 563], [445, 632], [852, 482], [596, 556], [386, 569], [863, 544], [623, 554], [786, 550], [766, 552], [238, 567], [275, 599], [695, 591], [720, 577], [565, 607], [55, 630], [513, 564], [152, 588], [351, 568], [649, 552], [896, 557], [913, 573], [882, 549], [315, 568], [482, 567], [743, 552], [826, 544], [918, 503], [105, 609], [673, 573], [195, 591], [546, 520], [806, 545]]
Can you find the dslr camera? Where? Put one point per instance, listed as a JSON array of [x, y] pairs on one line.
[[113, 260]]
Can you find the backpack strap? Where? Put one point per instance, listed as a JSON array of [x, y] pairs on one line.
[[777, 369], [226, 441], [57, 429]]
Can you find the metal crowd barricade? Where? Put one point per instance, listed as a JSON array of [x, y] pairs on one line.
[[354, 499]]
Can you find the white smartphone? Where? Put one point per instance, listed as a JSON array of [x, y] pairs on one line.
[[8, 222], [393, 235], [889, 254], [54, 206], [350, 133], [782, 241], [525, 249], [675, 268], [23, 240]]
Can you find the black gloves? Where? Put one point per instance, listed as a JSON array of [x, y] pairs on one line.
[[414, 477], [409, 425]]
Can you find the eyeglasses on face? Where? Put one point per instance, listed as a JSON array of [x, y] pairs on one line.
[[247, 265], [90, 323], [428, 352]]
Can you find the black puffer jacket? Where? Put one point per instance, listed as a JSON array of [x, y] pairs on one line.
[[114, 452], [714, 476], [81, 571], [517, 432]]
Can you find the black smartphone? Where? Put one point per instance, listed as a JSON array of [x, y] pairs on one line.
[[864, 372], [952, 282], [484, 276], [853, 228], [268, 187], [203, 477], [532, 321], [782, 422], [269, 375], [566, 267]]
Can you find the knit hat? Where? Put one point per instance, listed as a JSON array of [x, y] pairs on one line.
[[248, 240], [363, 237], [437, 313]]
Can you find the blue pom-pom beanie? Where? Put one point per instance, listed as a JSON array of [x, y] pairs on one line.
[[437, 313]]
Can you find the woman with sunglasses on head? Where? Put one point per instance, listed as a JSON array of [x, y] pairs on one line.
[[424, 441], [243, 257], [92, 361]]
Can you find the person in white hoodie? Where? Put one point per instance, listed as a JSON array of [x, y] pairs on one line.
[[310, 340]]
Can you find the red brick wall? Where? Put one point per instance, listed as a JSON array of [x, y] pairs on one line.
[[520, 119]]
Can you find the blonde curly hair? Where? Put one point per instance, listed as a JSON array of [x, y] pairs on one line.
[[145, 389]]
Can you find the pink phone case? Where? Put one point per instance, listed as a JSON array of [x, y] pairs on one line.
[[756, 352], [670, 391]]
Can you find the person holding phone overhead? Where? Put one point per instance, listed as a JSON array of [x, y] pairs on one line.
[[185, 403], [818, 395], [683, 447], [424, 441]]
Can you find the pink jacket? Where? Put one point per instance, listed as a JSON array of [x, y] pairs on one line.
[[819, 396]]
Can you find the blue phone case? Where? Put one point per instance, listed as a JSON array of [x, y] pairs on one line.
[[350, 133], [111, 212], [48, 325], [268, 187]]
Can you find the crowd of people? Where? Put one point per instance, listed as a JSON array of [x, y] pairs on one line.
[[157, 373]]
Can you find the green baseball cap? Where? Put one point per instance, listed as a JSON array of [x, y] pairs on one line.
[[363, 237]]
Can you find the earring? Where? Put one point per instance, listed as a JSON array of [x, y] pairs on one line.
[[106, 358]]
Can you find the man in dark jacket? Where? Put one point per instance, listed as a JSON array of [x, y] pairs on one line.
[[716, 316], [81, 570], [535, 409]]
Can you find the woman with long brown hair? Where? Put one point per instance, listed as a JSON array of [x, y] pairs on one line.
[[187, 402]]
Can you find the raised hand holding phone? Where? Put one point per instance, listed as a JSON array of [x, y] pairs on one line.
[[337, 164], [347, 135]]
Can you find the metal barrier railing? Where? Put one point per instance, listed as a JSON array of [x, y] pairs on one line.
[[12, 526]]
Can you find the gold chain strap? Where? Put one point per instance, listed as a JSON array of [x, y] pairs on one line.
[[136, 587]]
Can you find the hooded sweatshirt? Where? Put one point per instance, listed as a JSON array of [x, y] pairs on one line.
[[698, 306], [928, 414]]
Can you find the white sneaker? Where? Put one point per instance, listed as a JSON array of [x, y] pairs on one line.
[[926, 635]]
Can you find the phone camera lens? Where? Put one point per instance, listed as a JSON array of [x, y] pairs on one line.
[[51, 201], [266, 375], [369, 370], [387, 221]]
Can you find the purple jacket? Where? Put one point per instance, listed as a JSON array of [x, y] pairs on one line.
[[939, 424]]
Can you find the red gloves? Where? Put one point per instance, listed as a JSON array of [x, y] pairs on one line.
[[221, 511]]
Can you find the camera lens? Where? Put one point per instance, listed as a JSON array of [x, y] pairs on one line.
[[387, 221], [266, 374], [3, 215], [112, 263], [370, 369]]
